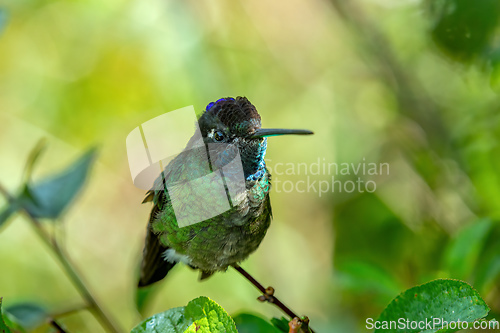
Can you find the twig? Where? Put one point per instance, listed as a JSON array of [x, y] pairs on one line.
[[74, 276], [268, 296], [69, 311], [58, 327], [69, 268], [6, 193]]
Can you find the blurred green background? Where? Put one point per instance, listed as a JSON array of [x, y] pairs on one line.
[[410, 83]]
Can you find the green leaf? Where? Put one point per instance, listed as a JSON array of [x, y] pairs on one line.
[[201, 315], [12, 324], [281, 324], [447, 300], [488, 273], [28, 315], [463, 251], [464, 29], [209, 316], [3, 326], [48, 198], [249, 323], [170, 321]]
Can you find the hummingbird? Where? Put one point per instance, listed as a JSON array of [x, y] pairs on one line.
[[230, 131]]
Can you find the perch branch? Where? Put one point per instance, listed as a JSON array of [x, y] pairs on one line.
[[58, 327], [268, 296]]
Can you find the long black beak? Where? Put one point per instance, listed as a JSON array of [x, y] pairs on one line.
[[266, 132]]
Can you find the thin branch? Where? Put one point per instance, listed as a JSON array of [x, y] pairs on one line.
[[268, 296], [58, 327], [74, 276], [70, 269], [69, 311], [6, 193]]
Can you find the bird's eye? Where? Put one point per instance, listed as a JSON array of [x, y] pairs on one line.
[[218, 136]]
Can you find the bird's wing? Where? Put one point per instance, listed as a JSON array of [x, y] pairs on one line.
[[154, 267]]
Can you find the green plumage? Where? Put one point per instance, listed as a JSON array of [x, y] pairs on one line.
[[215, 243]]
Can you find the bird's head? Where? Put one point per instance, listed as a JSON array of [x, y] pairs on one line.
[[234, 123]]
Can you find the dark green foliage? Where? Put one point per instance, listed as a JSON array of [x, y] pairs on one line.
[[466, 32], [143, 295], [3, 326], [464, 29], [449, 300], [28, 315], [281, 324], [249, 323], [462, 253], [487, 270]]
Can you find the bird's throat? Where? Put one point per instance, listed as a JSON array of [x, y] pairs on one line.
[[254, 164]]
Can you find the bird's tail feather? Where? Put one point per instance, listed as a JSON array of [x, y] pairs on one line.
[[154, 267]]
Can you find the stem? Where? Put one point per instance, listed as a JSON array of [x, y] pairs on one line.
[[268, 294], [6, 194], [70, 269], [69, 311], [74, 276], [57, 326]]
